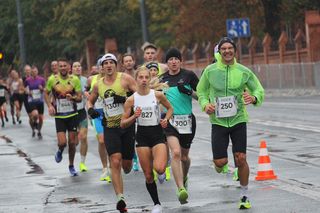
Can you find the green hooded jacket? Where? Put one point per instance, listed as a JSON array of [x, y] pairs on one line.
[[220, 80]]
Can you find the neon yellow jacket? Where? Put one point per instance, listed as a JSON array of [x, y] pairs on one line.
[[220, 80]]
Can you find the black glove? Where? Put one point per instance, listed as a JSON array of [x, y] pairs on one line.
[[118, 99], [183, 89], [93, 113]]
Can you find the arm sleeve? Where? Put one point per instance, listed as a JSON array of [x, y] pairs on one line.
[[255, 88], [194, 81], [202, 90], [77, 85], [49, 84]]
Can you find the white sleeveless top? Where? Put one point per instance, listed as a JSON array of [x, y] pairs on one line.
[[150, 115]]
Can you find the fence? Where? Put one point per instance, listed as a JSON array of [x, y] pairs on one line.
[[288, 76]]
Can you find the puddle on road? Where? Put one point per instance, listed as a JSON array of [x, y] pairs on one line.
[[6, 154], [291, 140], [75, 200], [304, 183], [46, 185], [308, 156], [270, 149], [35, 168], [8, 140]]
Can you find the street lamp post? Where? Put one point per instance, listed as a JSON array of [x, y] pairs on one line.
[[21, 35], [143, 21]]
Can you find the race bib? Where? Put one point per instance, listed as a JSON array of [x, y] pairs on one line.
[[149, 116], [111, 109], [226, 106], [182, 123], [1, 92], [15, 86], [36, 94], [99, 103], [81, 104], [64, 106]]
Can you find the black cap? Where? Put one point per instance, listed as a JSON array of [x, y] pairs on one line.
[[226, 40], [173, 52], [152, 64]]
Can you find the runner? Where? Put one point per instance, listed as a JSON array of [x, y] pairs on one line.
[[221, 95], [27, 74], [113, 88], [66, 91], [54, 67], [94, 70], [150, 54], [128, 64], [16, 95], [181, 129], [97, 124], [155, 84], [82, 117], [35, 85], [3, 101], [151, 140]]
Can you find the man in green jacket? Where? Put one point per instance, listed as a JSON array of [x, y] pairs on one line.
[[224, 90]]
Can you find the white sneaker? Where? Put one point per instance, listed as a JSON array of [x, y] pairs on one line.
[[157, 209]]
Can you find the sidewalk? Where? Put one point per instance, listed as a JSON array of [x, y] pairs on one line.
[[291, 92]]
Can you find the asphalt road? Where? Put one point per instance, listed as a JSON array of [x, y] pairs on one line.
[[31, 181]]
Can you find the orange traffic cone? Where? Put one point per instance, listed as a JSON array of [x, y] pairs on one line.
[[265, 171]]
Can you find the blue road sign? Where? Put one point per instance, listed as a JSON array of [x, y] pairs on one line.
[[237, 28]]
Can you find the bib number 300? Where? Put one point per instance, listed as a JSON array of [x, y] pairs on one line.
[[226, 106], [182, 123]]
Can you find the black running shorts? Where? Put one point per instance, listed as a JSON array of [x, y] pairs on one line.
[[220, 139], [64, 124], [185, 140], [119, 140], [35, 106], [149, 136]]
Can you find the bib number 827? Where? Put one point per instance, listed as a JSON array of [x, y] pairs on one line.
[[146, 114]]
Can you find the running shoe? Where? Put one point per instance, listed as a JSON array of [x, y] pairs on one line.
[[155, 175], [58, 156], [121, 205], [168, 175], [235, 175], [2, 125], [223, 170], [244, 203], [135, 165], [186, 182], [162, 178], [105, 176], [83, 167], [33, 134], [73, 171], [39, 135], [157, 209], [182, 195]]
